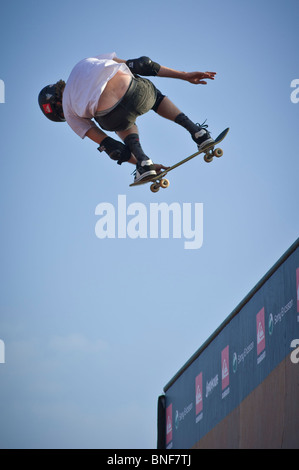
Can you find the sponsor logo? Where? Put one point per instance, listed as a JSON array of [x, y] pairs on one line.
[[235, 362], [180, 415], [260, 335], [275, 319], [169, 424], [211, 385], [47, 108], [225, 371], [280, 315], [270, 324], [198, 398], [241, 357]]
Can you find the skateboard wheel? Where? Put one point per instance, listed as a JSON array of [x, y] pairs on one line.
[[155, 187], [218, 153], [164, 183], [208, 158]]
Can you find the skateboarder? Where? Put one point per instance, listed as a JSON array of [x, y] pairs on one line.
[[113, 92]]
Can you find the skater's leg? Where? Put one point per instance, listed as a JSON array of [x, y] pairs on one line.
[[131, 139], [169, 110], [145, 167]]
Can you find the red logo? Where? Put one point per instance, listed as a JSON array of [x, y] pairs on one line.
[[260, 331], [47, 108], [169, 424], [198, 394], [225, 367]]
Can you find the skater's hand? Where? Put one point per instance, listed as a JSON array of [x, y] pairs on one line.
[[159, 167], [197, 77]]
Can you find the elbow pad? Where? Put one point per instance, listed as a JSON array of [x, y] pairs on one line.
[[143, 66]]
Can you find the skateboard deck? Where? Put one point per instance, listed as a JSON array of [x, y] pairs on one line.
[[158, 181]]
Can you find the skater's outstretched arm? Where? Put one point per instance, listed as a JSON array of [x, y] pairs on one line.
[[152, 68], [197, 78]]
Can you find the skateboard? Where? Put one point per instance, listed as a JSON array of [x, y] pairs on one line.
[[158, 181]]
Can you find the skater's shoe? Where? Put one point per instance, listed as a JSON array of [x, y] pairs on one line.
[[202, 137], [144, 169]]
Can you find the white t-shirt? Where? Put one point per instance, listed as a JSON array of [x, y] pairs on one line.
[[83, 89]]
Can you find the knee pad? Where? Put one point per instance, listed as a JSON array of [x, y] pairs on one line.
[[143, 66]]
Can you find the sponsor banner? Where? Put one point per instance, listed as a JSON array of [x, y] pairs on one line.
[[250, 345]]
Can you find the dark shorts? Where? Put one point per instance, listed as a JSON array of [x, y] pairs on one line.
[[141, 97]]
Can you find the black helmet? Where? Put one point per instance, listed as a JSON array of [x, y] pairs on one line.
[[50, 104]]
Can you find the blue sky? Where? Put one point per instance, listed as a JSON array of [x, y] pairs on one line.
[[93, 329]]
